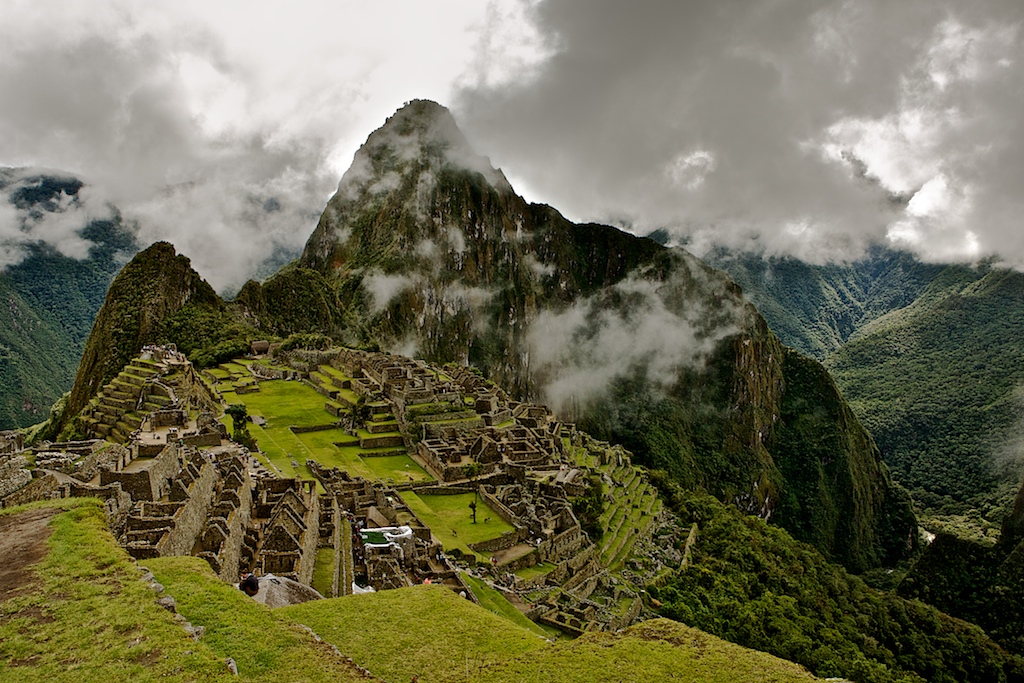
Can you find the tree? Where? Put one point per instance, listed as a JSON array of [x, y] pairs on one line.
[[240, 432]]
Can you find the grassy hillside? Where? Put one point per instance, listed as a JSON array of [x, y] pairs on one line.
[[88, 617], [89, 614], [386, 633]]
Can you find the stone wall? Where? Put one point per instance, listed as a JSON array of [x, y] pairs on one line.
[[191, 517], [311, 428], [44, 487], [14, 475], [506, 540], [202, 440], [11, 442], [150, 482], [229, 516]]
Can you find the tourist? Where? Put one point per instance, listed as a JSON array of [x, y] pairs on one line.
[[249, 584]]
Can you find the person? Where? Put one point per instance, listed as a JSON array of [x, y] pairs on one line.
[[249, 584]]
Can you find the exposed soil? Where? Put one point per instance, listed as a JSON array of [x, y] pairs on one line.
[[22, 544]]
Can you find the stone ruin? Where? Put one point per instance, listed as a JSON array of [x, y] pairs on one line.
[[177, 487]]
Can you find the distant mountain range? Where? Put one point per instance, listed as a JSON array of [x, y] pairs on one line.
[[48, 301], [927, 355]]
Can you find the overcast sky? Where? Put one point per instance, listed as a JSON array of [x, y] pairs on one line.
[[786, 126]]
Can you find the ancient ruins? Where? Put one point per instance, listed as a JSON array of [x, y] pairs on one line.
[[174, 484]]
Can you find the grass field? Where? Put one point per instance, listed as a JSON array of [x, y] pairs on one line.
[[286, 403], [88, 617], [424, 630], [447, 514], [492, 600]]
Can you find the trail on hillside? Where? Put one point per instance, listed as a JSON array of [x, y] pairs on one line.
[[22, 544]]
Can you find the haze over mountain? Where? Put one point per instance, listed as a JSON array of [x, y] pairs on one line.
[[57, 274], [813, 129]]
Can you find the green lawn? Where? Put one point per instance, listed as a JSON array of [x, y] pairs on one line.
[[445, 514], [323, 571], [492, 599], [397, 467], [535, 571], [287, 403], [426, 631], [283, 404]]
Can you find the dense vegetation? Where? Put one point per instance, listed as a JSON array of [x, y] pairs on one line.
[[752, 584], [936, 384], [157, 298], [48, 305], [927, 356]]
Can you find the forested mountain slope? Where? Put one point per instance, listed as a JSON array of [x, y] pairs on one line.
[[48, 300], [927, 355]]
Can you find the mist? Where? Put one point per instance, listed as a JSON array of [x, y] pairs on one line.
[[641, 325]]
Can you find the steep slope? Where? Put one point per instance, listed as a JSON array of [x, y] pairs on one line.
[[430, 252], [816, 308], [156, 298], [936, 382], [926, 354], [48, 300], [978, 581], [752, 584]]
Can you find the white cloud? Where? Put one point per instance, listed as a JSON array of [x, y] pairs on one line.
[[657, 330], [219, 125], [798, 127]]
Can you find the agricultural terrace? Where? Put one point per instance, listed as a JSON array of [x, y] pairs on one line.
[[285, 404]]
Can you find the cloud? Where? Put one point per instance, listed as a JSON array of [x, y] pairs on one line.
[[384, 288], [218, 126], [641, 325], [53, 222], [796, 127]]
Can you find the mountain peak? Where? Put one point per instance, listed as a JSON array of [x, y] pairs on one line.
[[419, 140]]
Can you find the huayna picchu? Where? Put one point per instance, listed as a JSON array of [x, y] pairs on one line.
[[563, 423]]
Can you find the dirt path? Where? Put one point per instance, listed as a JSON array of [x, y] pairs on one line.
[[22, 544]]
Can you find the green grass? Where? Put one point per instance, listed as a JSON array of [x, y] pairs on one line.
[[89, 618], [323, 571], [265, 646], [535, 571], [446, 513], [398, 634], [284, 404], [492, 600], [656, 650], [397, 467], [287, 403]]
